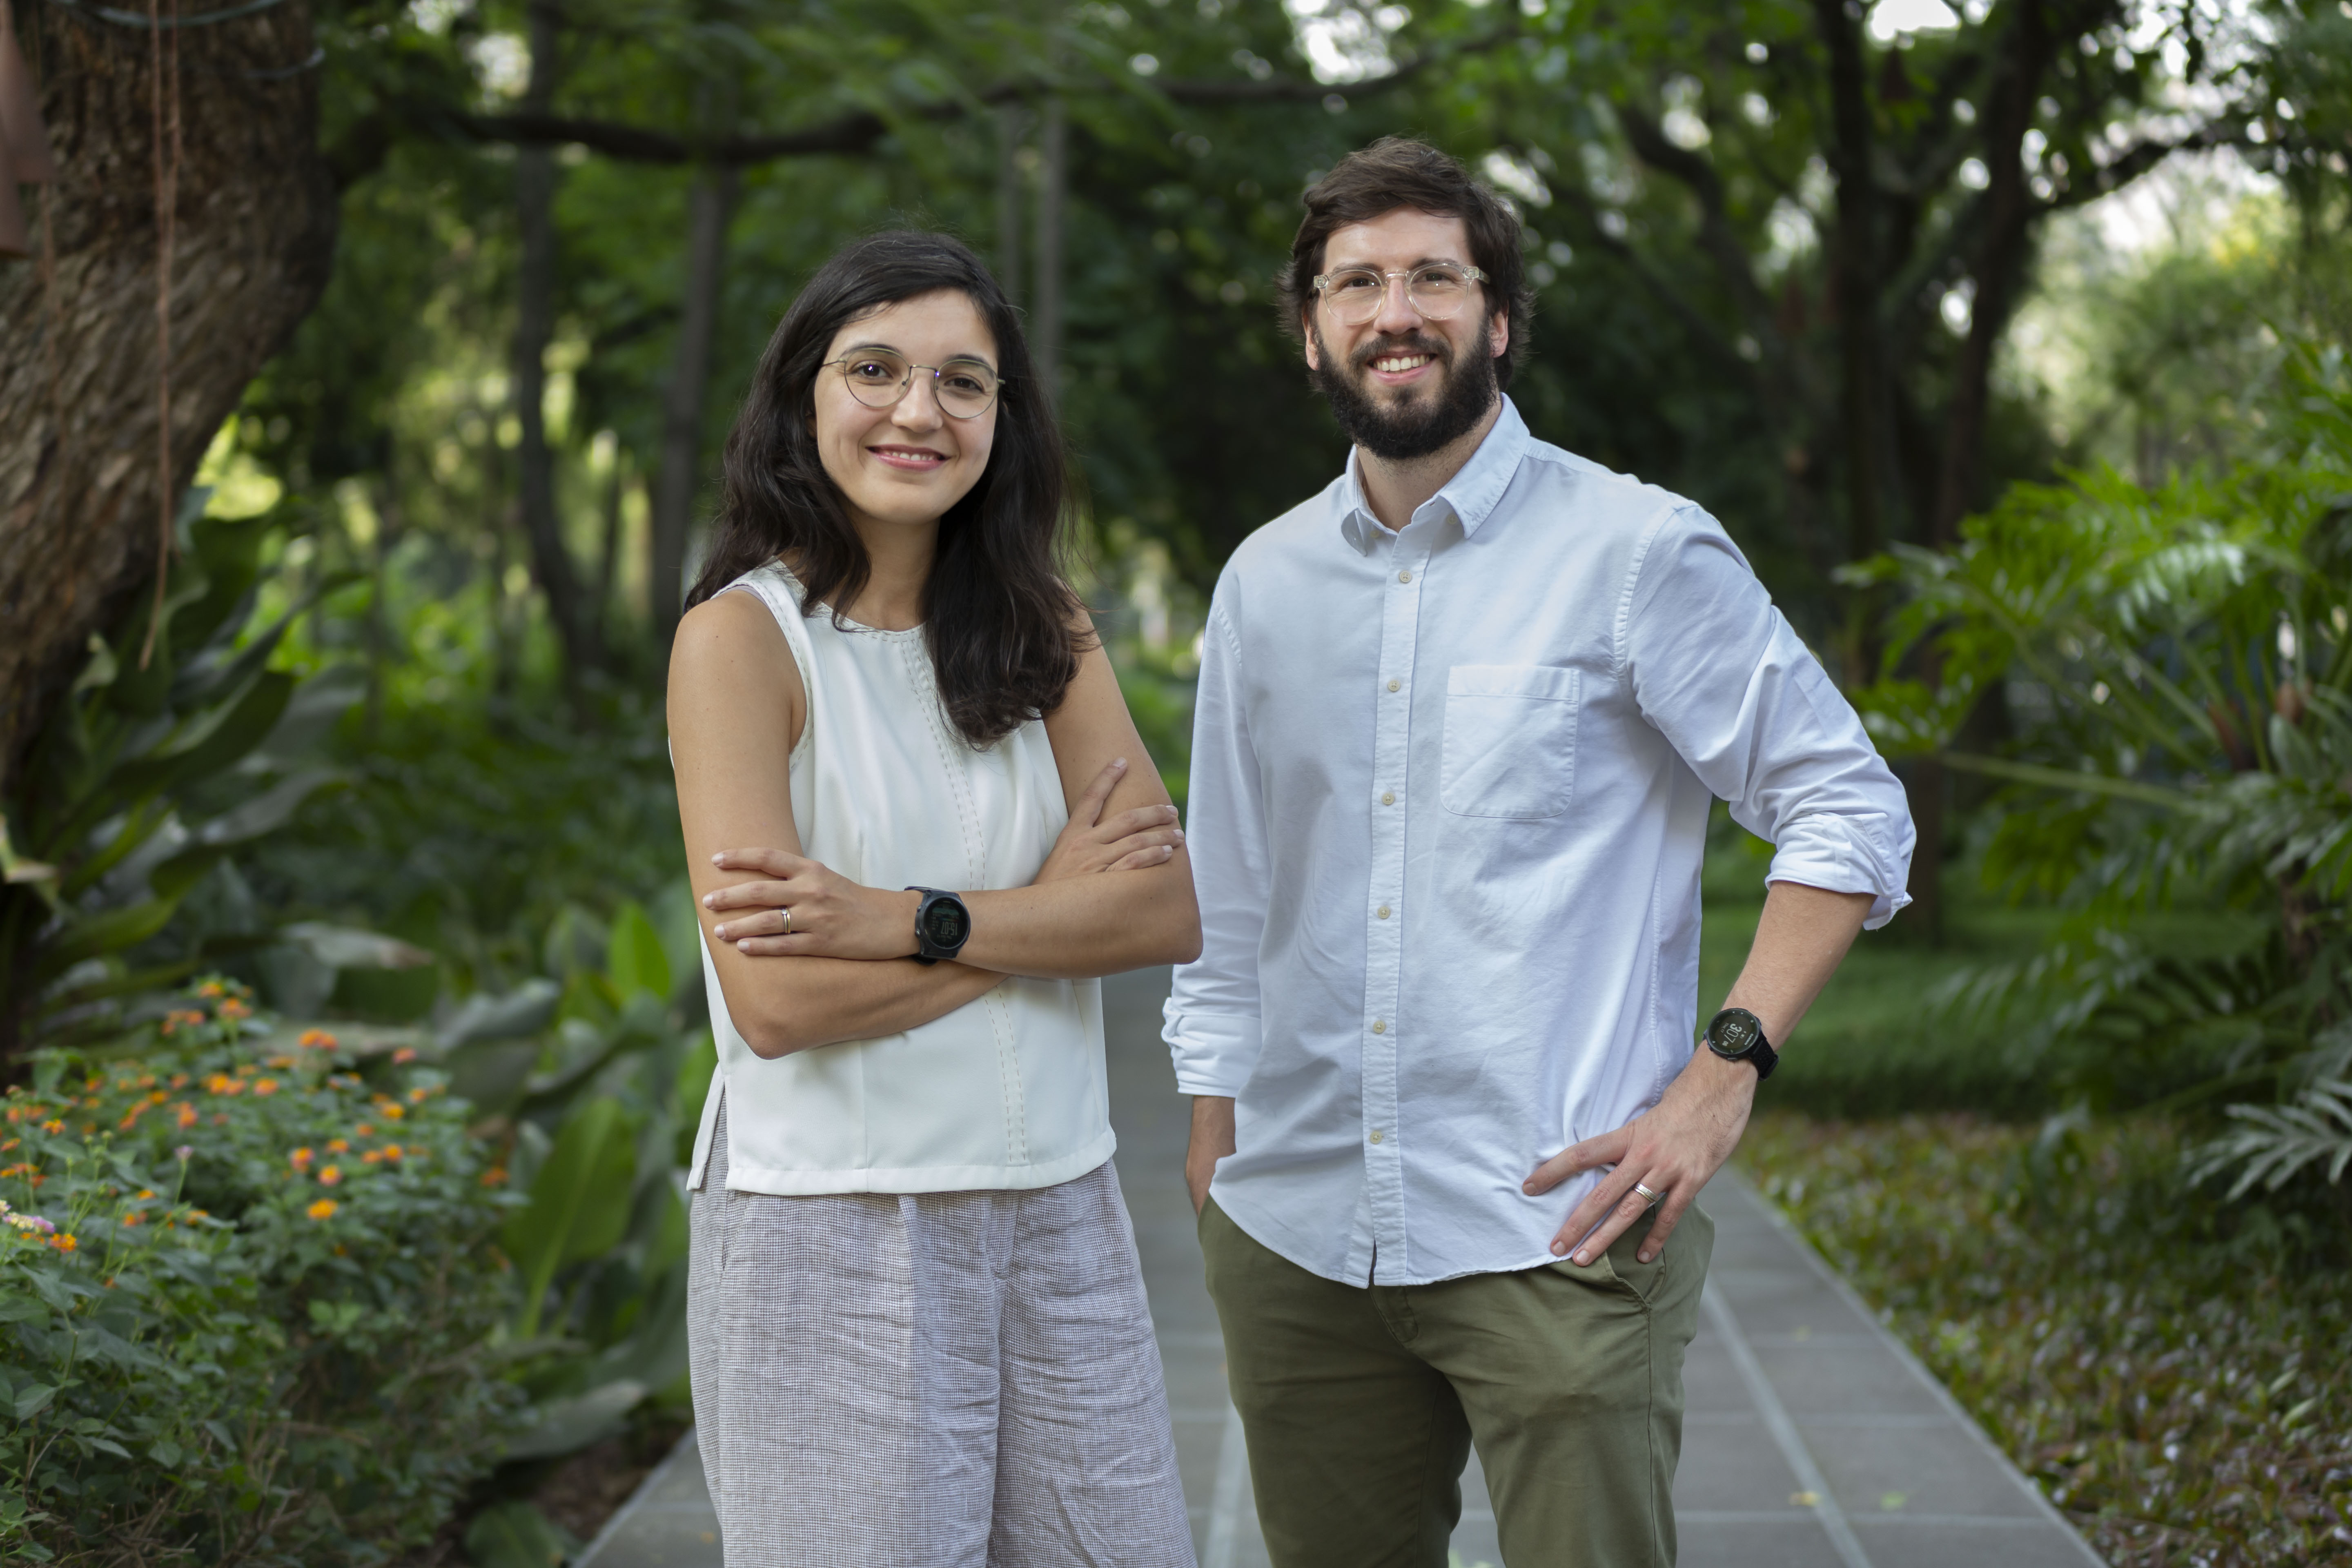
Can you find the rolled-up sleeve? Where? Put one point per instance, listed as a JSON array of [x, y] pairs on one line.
[[1721, 674], [1212, 1013]]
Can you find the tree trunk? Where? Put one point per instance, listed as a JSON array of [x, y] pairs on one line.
[[255, 223], [1010, 121], [1996, 267], [551, 561], [1053, 185], [709, 211]]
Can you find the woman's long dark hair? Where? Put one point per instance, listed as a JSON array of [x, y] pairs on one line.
[[997, 615]]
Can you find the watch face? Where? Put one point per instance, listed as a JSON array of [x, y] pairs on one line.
[[946, 924], [1731, 1035]]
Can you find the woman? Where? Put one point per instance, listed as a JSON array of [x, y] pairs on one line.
[[918, 1323]]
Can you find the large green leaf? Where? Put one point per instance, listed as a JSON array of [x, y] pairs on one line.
[[633, 955], [579, 1201], [517, 1535]]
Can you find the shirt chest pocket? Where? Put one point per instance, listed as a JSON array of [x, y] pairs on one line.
[[1510, 741]]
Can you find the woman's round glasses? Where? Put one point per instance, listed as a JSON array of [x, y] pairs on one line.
[[1436, 290], [880, 377]]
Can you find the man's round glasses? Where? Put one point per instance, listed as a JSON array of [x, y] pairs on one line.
[[880, 377], [1437, 291]]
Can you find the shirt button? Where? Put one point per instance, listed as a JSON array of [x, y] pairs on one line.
[[1388, 797], [1380, 1025], [1376, 1134], [1404, 577], [1382, 911], [1395, 685]]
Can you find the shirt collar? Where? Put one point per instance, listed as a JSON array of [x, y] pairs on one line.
[[1470, 495]]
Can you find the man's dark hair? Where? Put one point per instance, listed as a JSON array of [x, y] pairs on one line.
[[1398, 171], [998, 617]]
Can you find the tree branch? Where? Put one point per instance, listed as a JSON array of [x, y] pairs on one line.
[[856, 134]]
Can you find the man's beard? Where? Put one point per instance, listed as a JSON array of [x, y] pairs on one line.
[[1419, 427]]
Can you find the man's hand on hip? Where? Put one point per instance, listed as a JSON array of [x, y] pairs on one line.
[[1672, 1149], [1213, 1140]]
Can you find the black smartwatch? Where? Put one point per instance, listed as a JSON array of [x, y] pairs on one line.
[[942, 925], [1737, 1035]]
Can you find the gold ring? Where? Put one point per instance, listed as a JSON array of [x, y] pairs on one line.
[[1646, 1193], [788, 922]]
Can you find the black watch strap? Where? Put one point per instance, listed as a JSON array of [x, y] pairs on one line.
[[1737, 1035], [942, 925]]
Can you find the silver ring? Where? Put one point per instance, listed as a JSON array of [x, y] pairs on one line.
[[1646, 1193], [788, 922]]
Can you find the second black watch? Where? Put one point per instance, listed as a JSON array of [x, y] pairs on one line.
[[1737, 1035], [942, 925]]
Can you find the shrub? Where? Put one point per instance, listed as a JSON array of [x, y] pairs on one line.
[[248, 1299]]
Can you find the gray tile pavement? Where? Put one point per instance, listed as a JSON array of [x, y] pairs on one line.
[[1814, 1439]]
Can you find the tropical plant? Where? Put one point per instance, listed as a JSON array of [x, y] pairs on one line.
[[2174, 666], [181, 742]]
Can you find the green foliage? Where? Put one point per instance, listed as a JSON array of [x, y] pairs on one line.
[[2174, 666], [247, 1297], [108, 834], [2173, 1370]]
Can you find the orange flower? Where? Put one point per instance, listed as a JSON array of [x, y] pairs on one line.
[[53, 1127], [187, 1116], [147, 1081], [330, 1175], [65, 1243], [178, 1081], [339, 1146], [495, 1176], [300, 1159], [234, 1008], [321, 1209], [159, 1097], [417, 1095], [264, 1086], [133, 1217], [372, 1156], [317, 1040], [146, 1192], [392, 1151], [212, 988], [403, 1056], [365, 1130]]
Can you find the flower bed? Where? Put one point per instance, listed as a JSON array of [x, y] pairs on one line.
[[247, 1300]]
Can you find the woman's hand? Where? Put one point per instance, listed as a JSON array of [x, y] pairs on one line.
[[1146, 836], [825, 914]]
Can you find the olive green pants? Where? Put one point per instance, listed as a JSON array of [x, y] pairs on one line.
[[1360, 1405]]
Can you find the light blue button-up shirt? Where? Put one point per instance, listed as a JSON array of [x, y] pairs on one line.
[[1448, 802]]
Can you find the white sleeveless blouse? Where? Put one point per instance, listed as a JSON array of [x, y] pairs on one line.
[[1008, 1091]]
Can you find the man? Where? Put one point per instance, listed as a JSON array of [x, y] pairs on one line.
[[1461, 719]]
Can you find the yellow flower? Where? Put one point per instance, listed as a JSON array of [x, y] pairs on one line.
[[212, 988], [392, 1151], [317, 1040], [339, 1146], [300, 1159], [64, 1243], [330, 1175], [264, 1086], [321, 1209], [146, 1192]]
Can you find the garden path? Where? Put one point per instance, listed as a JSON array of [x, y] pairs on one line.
[[1814, 1439]]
